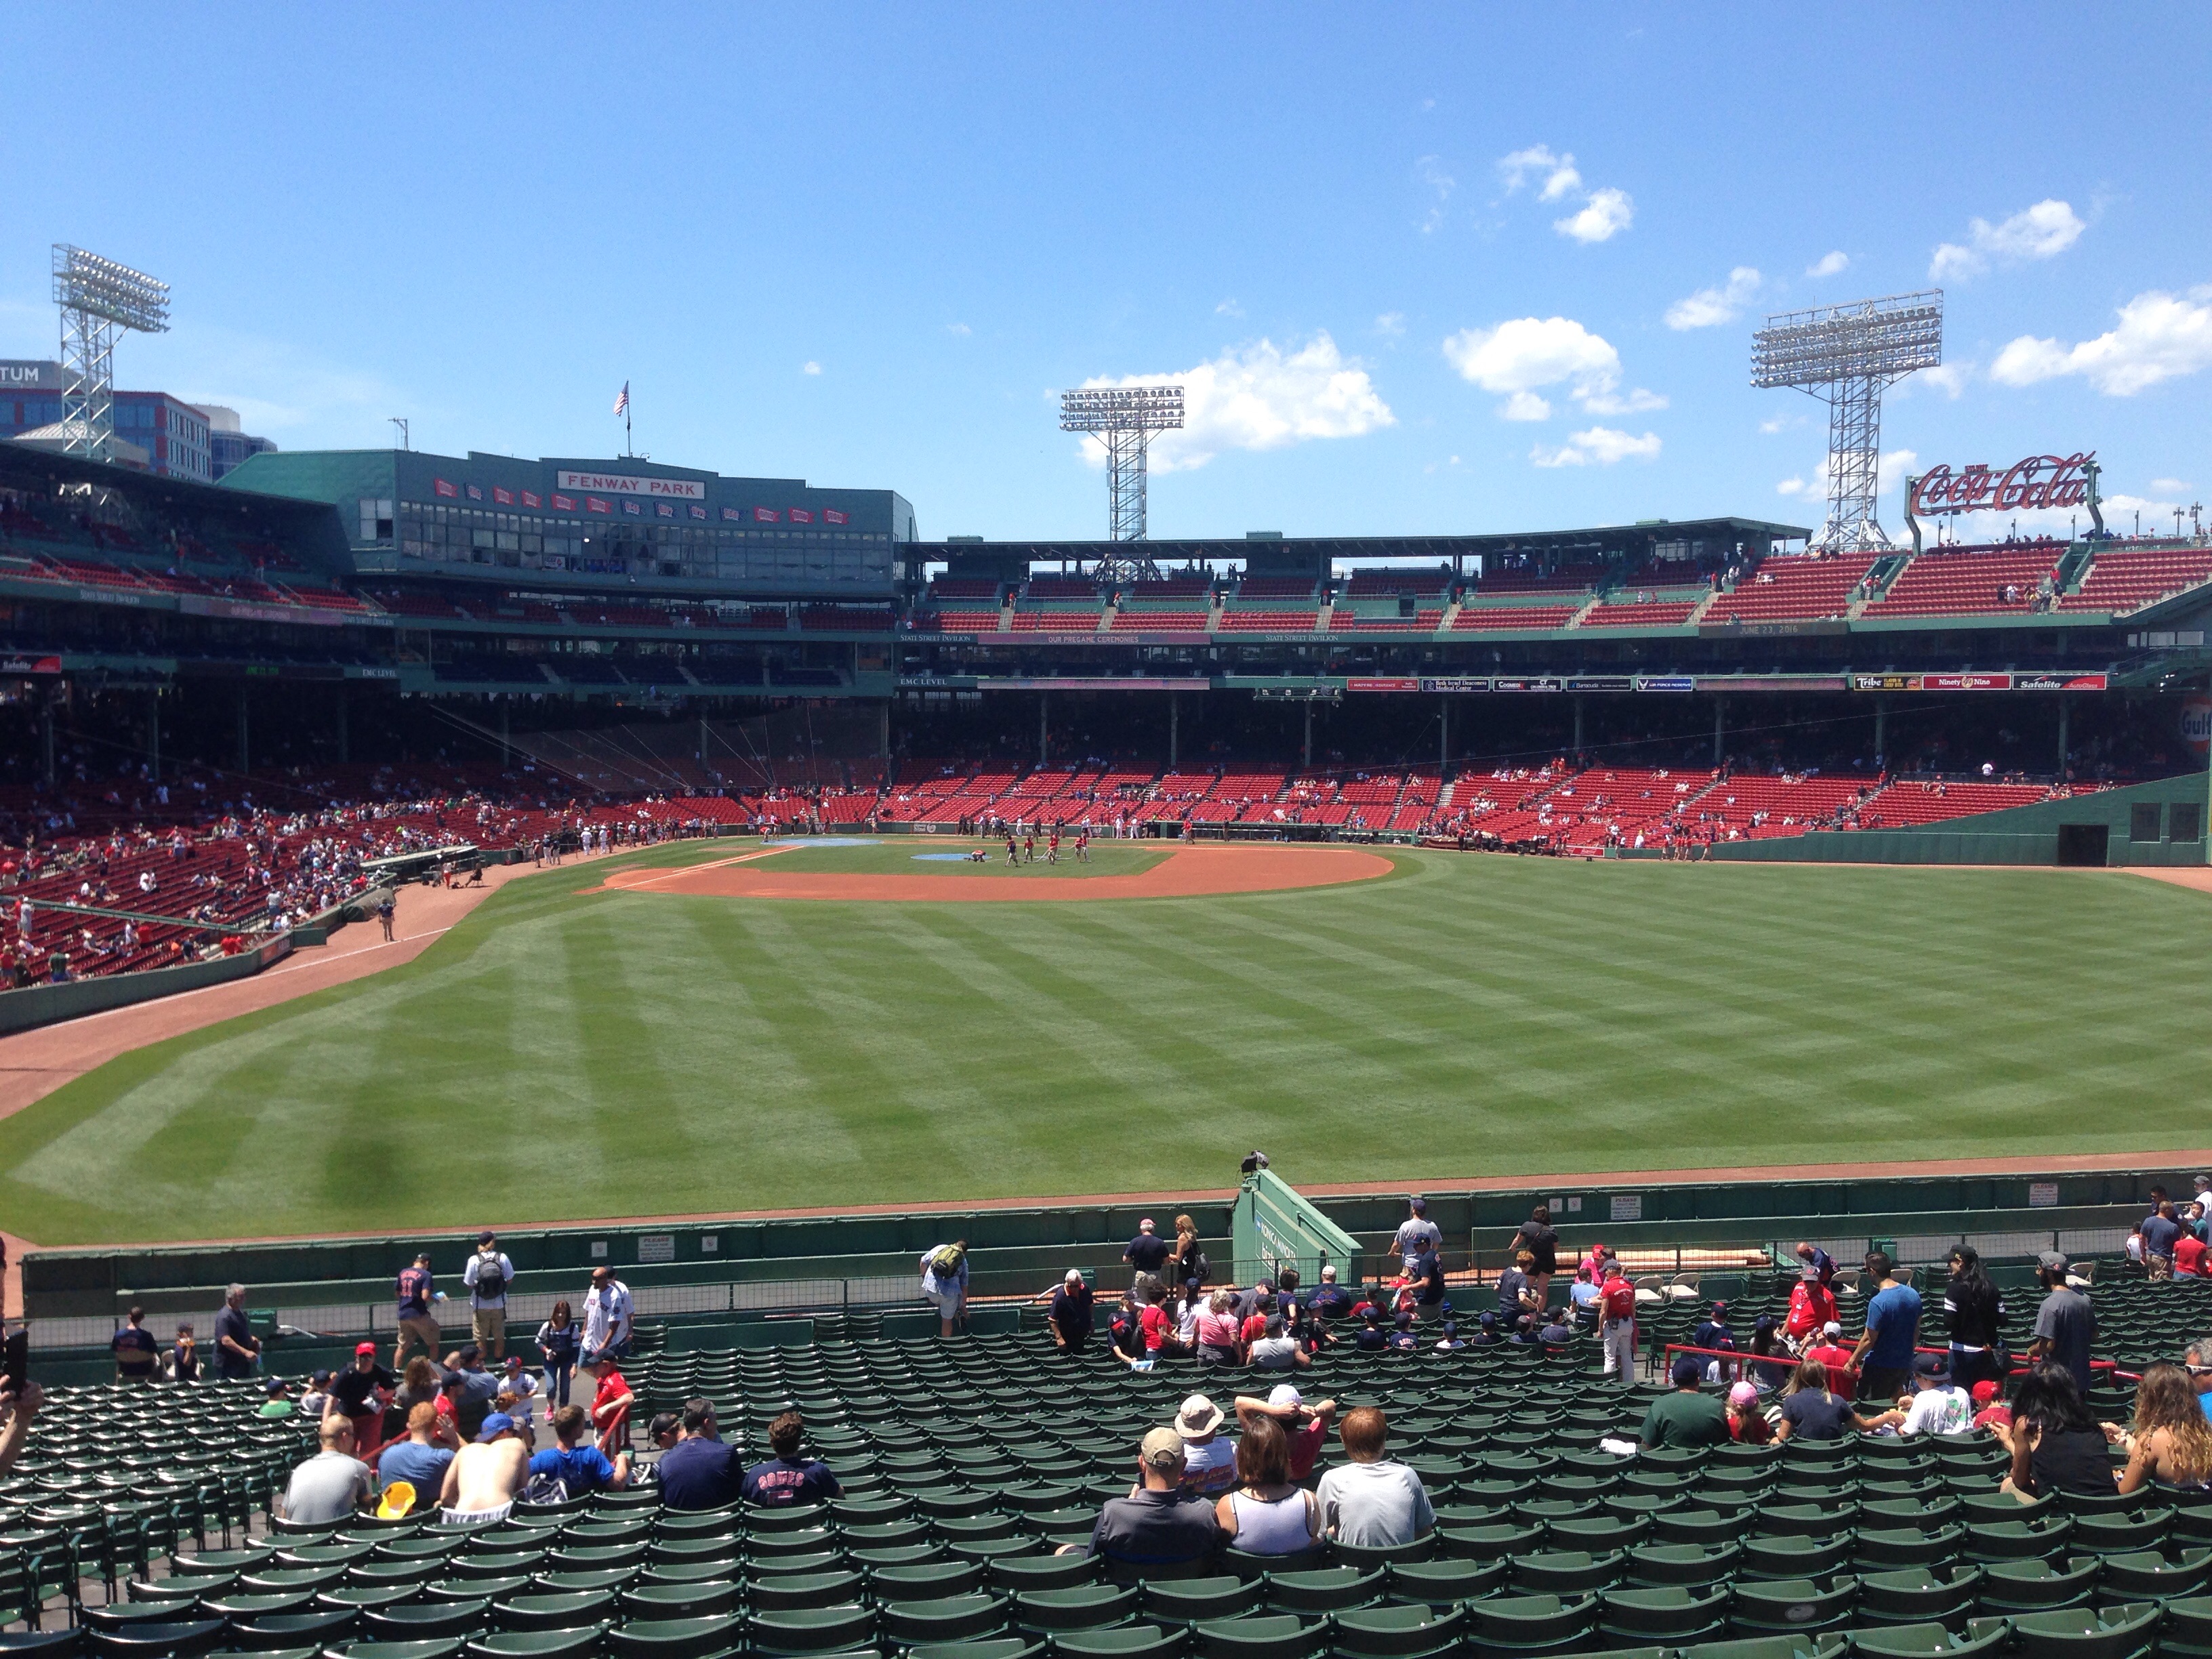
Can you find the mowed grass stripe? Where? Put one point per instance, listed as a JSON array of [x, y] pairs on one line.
[[573, 1053]]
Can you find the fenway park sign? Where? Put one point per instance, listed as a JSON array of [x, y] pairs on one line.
[[2038, 481]]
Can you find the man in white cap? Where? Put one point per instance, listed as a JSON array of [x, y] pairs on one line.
[[1209, 1461], [1147, 1252], [1071, 1315], [1832, 1351], [1307, 1425]]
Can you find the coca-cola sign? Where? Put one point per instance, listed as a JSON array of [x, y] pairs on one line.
[[2039, 481]]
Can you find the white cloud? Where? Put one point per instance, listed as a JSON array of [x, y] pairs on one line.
[[2159, 337], [2041, 232], [1259, 398], [1776, 423], [1517, 357], [1229, 308], [1828, 265], [2171, 486], [1607, 213], [1557, 171], [961, 329], [1433, 173], [1791, 486], [1598, 445], [1711, 306], [1949, 378], [1392, 323], [810, 367]]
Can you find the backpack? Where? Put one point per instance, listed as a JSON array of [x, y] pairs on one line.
[[1199, 1267], [945, 1261], [545, 1489], [491, 1280]]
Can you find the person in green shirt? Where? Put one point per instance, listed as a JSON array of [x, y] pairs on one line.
[[275, 1405], [1687, 1416]]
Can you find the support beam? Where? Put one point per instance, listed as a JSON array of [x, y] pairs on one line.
[[46, 738], [245, 736], [2064, 740], [1578, 725], [1044, 729], [1720, 727], [1880, 729], [345, 734], [1443, 732], [153, 736], [506, 751], [1175, 710], [1308, 762]]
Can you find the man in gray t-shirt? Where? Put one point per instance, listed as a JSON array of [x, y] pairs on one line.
[[330, 1485], [2065, 1325], [1417, 1234], [1371, 1503]]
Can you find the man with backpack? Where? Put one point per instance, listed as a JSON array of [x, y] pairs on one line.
[[487, 1275], [945, 1282]]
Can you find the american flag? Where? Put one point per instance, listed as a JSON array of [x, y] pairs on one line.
[[622, 398]]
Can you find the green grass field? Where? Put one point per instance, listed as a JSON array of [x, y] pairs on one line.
[[561, 1056], [930, 856]]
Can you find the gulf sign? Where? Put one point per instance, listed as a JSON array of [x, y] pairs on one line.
[[2039, 481]]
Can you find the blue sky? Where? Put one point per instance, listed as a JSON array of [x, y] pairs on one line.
[[1420, 262]]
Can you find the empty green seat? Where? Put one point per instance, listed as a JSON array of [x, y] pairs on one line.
[[1140, 1641], [1222, 1596], [2043, 1536], [923, 1580], [674, 1638], [536, 1643], [1918, 1596], [2120, 1532], [1757, 1647], [950, 1619], [1397, 1633], [1259, 1636], [1673, 1614], [2034, 1584], [1040, 1572], [1504, 1626], [2188, 1631], [798, 1592], [678, 1600], [2152, 1576], [997, 1647], [1698, 1526], [1876, 1549], [810, 1629], [292, 1629], [1689, 1564], [562, 1610], [1078, 1607], [1790, 1606], [422, 1621], [1795, 1557], [1928, 1641], [446, 1649], [1441, 1583], [2114, 1632], [1322, 1589], [158, 1640], [1571, 1572]]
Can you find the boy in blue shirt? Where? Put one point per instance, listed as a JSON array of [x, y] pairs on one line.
[[579, 1469]]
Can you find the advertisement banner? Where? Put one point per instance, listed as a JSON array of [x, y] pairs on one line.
[[1455, 683], [2196, 725], [1541, 682], [1387, 684], [23, 664], [502, 497], [617, 483], [1885, 682], [1665, 682], [2062, 682], [564, 503], [1600, 683], [1965, 682]]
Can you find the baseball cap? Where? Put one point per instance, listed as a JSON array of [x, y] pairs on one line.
[[422, 1255], [494, 1426], [1688, 1372], [2052, 1261], [1743, 1394], [1161, 1450], [1199, 1417], [1930, 1371], [1984, 1391], [1283, 1397], [361, 1348], [320, 1378], [274, 1386], [484, 1237], [468, 1353], [1832, 1328], [1421, 1205], [1145, 1225]]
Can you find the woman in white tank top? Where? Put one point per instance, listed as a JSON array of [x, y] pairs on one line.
[[1267, 1514]]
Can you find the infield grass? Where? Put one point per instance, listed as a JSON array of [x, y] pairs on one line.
[[567, 1056]]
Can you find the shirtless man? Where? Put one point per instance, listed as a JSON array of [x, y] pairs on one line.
[[483, 1478]]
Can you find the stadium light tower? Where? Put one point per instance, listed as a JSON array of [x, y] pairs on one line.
[[1123, 418], [98, 297], [1845, 356]]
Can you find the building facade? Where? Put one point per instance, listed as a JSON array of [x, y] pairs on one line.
[[626, 519], [175, 438]]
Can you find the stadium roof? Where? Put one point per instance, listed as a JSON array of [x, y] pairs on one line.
[[1271, 550]]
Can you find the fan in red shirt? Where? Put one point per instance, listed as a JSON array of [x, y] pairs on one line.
[[2188, 1255], [1831, 1352], [1812, 1305], [610, 1407]]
